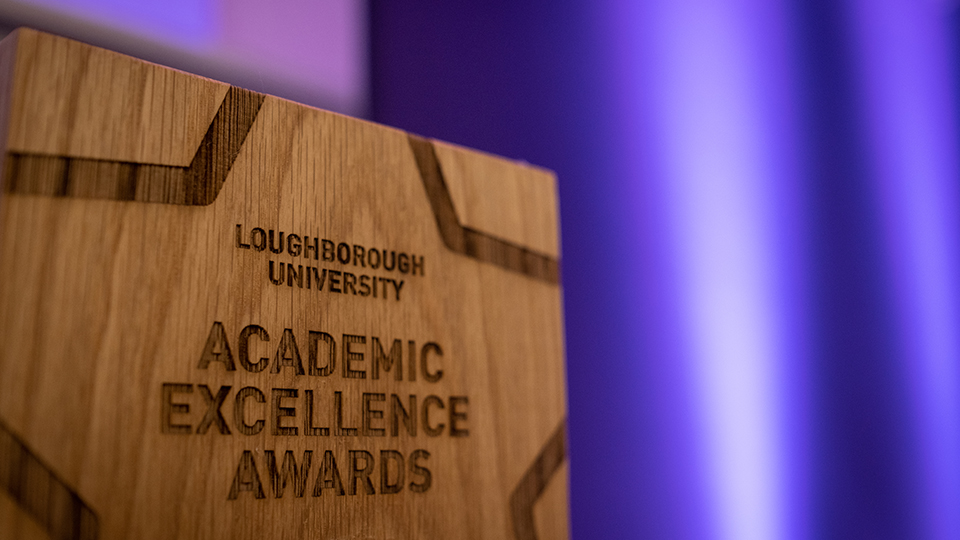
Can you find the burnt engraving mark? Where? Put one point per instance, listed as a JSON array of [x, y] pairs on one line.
[[197, 184], [258, 472], [42, 494], [534, 481], [467, 241]]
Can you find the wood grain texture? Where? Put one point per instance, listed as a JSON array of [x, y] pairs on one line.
[[523, 212], [195, 184], [535, 481], [37, 490], [469, 241], [227, 315]]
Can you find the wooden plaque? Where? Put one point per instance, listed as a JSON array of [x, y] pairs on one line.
[[226, 315]]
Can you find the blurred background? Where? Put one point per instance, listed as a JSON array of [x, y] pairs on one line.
[[760, 208]]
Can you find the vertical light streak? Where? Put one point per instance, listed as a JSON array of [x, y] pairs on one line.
[[721, 174], [903, 55]]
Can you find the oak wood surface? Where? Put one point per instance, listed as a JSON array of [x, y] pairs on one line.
[[162, 376]]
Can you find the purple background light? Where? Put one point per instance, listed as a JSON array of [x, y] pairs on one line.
[[759, 209], [903, 65]]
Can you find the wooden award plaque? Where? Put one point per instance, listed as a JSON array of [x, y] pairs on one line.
[[224, 315]]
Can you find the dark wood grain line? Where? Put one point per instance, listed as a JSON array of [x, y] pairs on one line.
[[197, 184], [471, 242], [42, 494], [534, 481]]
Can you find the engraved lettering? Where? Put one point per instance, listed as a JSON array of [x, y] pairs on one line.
[[276, 247], [364, 285], [349, 282], [315, 247], [361, 475], [288, 354], [239, 410], [244, 348], [400, 414], [416, 264], [390, 486], [329, 476], [411, 365], [329, 251], [334, 280], [294, 276], [343, 253], [457, 416], [240, 243], [258, 238], [278, 278], [213, 414], [387, 361], [293, 245], [247, 478], [168, 408], [397, 286], [370, 414], [313, 354], [416, 469], [308, 428], [383, 281], [328, 248], [290, 472], [280, 412], [217, 349], [393, 260], [427, 374], [432, 431], [350, 356], [319, 276], [341, 431]]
